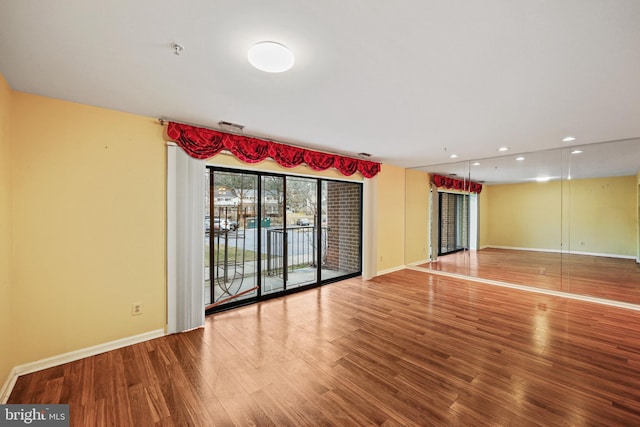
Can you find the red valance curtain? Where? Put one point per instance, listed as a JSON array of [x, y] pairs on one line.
[[203, 143], [456, 184]]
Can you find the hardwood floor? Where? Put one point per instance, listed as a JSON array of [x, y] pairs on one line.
[[609, 278], [407, 348]]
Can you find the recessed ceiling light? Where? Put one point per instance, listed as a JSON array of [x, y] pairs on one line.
[[503, 149], [568, 138], [576, 152], [270, 57], [520, 158], [454, 156], [475, 164], [543, 179]]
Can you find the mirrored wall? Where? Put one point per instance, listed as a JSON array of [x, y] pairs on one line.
[[564, 220]]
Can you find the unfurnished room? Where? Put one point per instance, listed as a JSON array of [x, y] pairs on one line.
[[417, 213]]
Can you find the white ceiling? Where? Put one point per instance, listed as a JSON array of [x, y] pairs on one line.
[[410, 82]]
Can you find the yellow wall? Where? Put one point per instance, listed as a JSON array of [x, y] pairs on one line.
[[416, 216], [602, 215], [89, 225], [596, 216], [7, 354], [522, 215], [391, 218]]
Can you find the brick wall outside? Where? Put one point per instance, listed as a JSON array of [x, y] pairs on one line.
[[343, 222]]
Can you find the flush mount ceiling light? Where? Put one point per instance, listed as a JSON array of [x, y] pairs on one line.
[[503, 149], [568, 139], [520, 158], [576, 152], [475, 164], [270, 57], [453, 156]]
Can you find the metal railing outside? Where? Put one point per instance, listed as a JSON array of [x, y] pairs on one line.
[[298, 244]]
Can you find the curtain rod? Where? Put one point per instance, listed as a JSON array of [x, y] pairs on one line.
[[162, 121]]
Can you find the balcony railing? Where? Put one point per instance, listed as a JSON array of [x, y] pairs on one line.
[[296, 244]]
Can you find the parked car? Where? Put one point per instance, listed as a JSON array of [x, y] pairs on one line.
[[224, 224], [219, 224], [303, 221]]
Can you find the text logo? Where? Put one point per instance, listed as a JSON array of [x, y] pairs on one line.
[[34, 415]]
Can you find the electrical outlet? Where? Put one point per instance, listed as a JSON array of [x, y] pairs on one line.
[[136, 309]]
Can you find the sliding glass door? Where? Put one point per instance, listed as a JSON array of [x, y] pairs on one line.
[[231, 244], [270, 234], [454, 222]]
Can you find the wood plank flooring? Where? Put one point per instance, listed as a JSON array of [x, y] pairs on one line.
[[407, 348], [609, 278]]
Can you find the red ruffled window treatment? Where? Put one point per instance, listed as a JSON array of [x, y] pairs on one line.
[[456, 184], [203, 143]]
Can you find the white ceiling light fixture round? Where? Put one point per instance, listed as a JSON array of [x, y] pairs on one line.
[[270, 57], [568, 139]]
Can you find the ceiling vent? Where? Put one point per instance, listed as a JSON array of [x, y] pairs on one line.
[[234, 127]]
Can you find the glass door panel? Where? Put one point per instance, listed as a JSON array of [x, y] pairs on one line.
[[231, 250], [339, 248], [273, 234], [301, 231]]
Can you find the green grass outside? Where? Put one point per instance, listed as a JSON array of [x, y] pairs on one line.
[[233, 255]]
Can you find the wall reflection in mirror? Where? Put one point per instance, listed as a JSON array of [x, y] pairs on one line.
[[564, 220]]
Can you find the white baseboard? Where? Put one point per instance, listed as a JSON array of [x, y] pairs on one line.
[[71, 356], [602, 255], [390, 270], [7, 387], [514, 248], [424, 261]]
